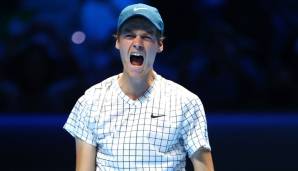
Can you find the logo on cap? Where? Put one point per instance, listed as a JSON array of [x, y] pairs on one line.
[[149, 12], [136, 9]]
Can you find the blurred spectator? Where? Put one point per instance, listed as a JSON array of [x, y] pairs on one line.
[[237, 55], [38, 62]]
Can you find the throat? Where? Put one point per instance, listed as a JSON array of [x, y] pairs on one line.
[[134, 88]]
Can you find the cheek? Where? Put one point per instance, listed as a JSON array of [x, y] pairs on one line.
[[151, 60], [152, 54], [123, 50]]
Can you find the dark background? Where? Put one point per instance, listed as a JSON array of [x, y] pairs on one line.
[[239, 57]]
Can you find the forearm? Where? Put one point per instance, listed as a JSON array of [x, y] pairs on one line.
[[202, 161], [85, 156]]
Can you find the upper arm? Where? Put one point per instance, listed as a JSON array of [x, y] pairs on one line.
[[85, 156], [202, 160]]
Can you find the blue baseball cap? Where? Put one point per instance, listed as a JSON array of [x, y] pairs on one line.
[[149, 12]]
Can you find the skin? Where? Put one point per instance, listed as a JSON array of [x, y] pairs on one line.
[[135, 80], [85, 156], [138, 36], [202, 160]]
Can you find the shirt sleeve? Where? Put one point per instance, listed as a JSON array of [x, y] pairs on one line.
[[194, 129], [80, 123]]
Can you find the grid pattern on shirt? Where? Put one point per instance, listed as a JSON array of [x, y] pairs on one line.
[[154, 132]]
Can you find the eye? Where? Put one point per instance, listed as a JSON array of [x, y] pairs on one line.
[[147, 37], [128, 36]]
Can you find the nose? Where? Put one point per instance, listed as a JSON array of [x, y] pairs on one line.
[[138, 43]]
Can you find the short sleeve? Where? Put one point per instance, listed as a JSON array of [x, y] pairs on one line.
[[194, 127], [80, 123]]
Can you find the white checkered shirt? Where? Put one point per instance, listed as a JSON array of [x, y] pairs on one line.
[[154, 132]]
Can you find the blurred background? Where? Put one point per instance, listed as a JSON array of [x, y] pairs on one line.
[[239, 57]]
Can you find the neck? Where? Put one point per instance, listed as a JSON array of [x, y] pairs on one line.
[[135, 88]]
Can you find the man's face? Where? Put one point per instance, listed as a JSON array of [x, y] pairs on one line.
[[138, 46]]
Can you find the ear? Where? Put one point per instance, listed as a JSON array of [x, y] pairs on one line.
[[160, 46], [117, 44]]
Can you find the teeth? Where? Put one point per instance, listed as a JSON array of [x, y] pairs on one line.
[[136, 54]]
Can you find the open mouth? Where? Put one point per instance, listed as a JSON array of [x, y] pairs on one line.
[[136, 59]]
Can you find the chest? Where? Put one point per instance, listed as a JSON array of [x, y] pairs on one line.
[[145, 126]]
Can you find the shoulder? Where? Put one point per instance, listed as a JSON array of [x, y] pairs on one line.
[[174, 89], [189, 103], [97, 90], [101, 86], [93, 97]]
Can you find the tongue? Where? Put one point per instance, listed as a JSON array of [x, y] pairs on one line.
[[136, 62]]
